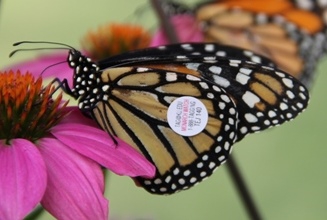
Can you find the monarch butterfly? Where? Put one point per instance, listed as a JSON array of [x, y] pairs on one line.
[[291, 33], [130, 96]]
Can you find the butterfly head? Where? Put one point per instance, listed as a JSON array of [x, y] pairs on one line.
[[80, 63], [84, 71], [84, 68]]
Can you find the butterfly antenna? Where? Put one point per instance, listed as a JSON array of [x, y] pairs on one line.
[[63, 46], [42, 48], [43, 42]]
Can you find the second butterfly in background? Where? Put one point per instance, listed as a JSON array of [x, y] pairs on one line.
[[291, 33], [292, 37]]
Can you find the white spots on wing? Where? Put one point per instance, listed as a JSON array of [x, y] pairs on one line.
[[162, 47], [272, 114], [302, 96], [283, 106], [225, 98], [193, 66], [218, 149], [168, 179], [212, 58], [244, 130], [200, 165], [245, 71], [210, 95], [204, 85], [192, 78], [242, 78], [171, 77], [212, 165], [290, 94], [216, 88], [223, 82], [105, 88], [221, 158], [79, 79], [299, 105], [288, 83], [267, 68], [256, 59], [280, 74], [105, 97], [209, 47], [215, 69], [221, 53], [181, 57], [250, 118], [250, 99], [234, 63], [302, 89], [142, 69], [187, 47], [222, 105], [232, 111]]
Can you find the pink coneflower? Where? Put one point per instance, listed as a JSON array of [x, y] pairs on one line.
[[52, 155]]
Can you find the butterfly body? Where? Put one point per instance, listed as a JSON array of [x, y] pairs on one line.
[[129, 96]]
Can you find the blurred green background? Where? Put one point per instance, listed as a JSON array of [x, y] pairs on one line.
[[285, 167]]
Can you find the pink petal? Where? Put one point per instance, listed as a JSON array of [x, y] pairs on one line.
[[99, 146], [23, 178], [74, 115], [186, 28], [40, 65], [75, 183]]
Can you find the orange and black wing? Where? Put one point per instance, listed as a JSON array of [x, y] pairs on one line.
[[294, 38], [264, 96], [136, 111]]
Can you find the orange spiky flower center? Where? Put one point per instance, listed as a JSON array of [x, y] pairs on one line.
[[113, 39], [27, 109]]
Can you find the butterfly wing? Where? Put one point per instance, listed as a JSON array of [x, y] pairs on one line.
[[264, 96], [136, 112]]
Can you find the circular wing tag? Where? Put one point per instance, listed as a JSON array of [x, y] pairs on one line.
[[187, 116]]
